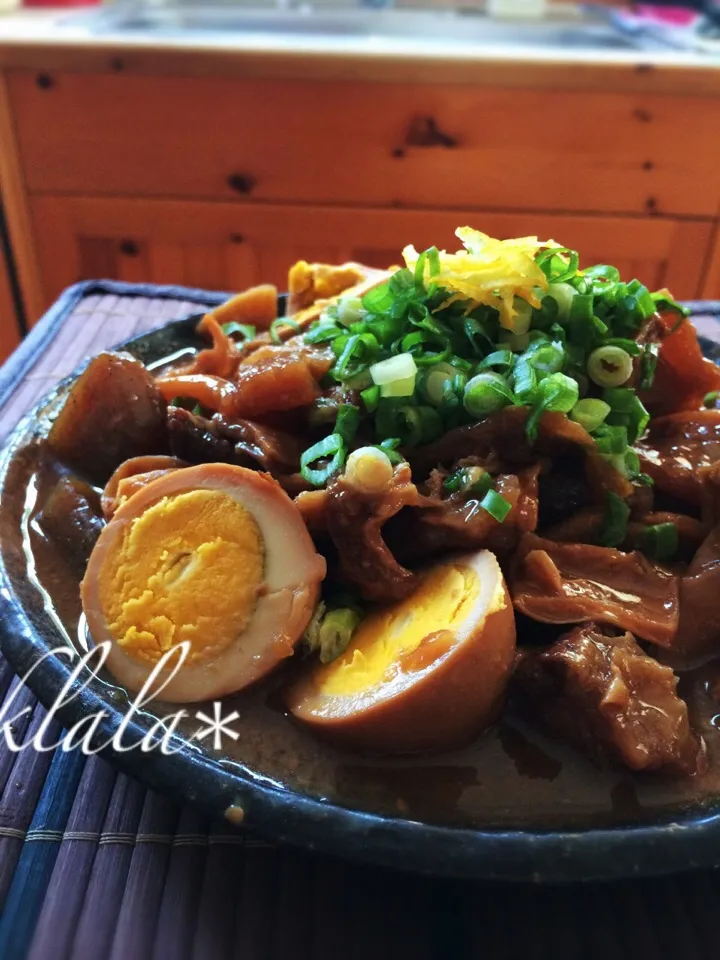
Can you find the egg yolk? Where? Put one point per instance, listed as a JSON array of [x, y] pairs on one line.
[[187, 569], [439, 606]]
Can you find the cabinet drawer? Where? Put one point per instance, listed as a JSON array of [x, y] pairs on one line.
[[419, 145], [232, 245]]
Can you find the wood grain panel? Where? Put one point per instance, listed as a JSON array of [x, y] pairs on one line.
[[9, 327], [711, 284], [17, 213], [248, 243], [417, 145]]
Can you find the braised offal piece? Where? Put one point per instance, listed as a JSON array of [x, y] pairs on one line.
[[114, 411], [605, 695]]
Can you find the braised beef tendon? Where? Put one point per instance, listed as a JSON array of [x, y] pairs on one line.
[[72, 518], [604, 694], [573, 582], [199, 439], [443, 522], [677, 448], [355, 519], [699, 627]]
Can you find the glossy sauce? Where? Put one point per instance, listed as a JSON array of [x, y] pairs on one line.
[[512, 776]]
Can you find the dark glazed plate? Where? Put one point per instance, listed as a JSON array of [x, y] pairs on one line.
[[28, 632]]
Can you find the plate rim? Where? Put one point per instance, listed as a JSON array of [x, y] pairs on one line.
[[689, 839]]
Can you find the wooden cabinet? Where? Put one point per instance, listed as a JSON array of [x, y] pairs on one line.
[[224, 181], [9, 324], [231, 245], [423, 144]]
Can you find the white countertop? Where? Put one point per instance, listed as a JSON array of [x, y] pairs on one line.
[[49, 38]]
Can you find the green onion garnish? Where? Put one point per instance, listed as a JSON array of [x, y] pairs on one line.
[[371, 398], [389, 448], [609, 366], [648, 365], [426, 359], [710, 399], [660, 541], [282, 322], [590, 413], [615, 521], [232, 327], [347, 423], [332, 447], [350, 310], [330, 631], [611, 441], [496, 505], [486, 393], [498, 360], [626, 410]]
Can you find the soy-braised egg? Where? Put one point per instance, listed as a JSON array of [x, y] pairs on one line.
[[216, 556]]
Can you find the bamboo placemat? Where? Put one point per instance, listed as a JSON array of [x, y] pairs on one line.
[[93, 866]]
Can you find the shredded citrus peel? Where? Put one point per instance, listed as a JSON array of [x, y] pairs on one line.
[[488, 271]]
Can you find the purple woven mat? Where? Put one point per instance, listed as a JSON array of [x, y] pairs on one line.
[[93, 866]]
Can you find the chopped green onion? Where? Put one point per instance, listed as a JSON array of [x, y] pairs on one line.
[[357, 351], [330, 631], [643, 297], [517, 342], [581, 309], [609, 366], [614, 528], [563, 295], [437, 380], [602, 272], [648, 365], [498, 360], [389, 448], [414, 342], [412, 425], [629, 346], [454, 481], [333, 447], [350, 310], [281, 322], [347, 423], [590, 413], [548, 357], [663, 301], [398, 388], [611, 441], [631, 463], [556, 392], [477, 335], [400, 367], [246, 330], [474, 480], [525, 379], [323, 332], [710, 399], [627, 410], [558, 263], [496, 505], [523, 313], [659, 541], [485, 393], [379, 300], [370, 397]]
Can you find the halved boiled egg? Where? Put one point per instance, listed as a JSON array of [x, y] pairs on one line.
[[214, 555], [426, 673]]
